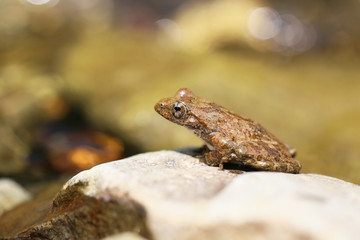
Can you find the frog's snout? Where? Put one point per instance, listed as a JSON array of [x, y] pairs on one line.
[[162, 107], [159, 106]]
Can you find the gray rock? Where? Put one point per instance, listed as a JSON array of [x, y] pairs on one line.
[[185, 199], [11, 194]]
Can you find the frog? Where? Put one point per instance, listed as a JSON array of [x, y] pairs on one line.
[[228, 137]]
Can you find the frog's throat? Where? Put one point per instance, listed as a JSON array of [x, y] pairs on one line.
[[199, 133]]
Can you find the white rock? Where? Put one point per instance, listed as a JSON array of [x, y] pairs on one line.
[[124, 236], [186, 199], [11, 194]]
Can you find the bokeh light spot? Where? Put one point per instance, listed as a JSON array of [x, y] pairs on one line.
[[170, 28], [264, 23], [38, 2]]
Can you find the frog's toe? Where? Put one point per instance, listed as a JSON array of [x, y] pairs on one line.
[[221, 166], [211, 159]]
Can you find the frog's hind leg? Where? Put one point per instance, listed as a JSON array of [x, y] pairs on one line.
[[288, 166], [266, 156]]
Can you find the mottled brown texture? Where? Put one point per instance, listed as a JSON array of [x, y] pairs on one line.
[[74, 215], [229, 137]]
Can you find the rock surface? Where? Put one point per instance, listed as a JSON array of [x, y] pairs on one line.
[[11, 194], [170, 195]]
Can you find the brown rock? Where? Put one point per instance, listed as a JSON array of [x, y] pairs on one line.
[[74, 215]]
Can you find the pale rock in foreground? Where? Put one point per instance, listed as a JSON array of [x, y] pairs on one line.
[[11, 194], [124, 236], [186, 199], [169, 195]]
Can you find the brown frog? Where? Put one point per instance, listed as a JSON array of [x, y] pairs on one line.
[[229, 137]]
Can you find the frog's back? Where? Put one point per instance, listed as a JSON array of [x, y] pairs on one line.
[[232, 124], [246, 134]]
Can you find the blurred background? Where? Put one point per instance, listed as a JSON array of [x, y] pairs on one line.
[[79, 79]]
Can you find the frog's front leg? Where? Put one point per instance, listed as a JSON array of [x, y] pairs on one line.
[[222, 150]]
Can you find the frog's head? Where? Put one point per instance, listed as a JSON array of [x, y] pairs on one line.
[[178, 109]]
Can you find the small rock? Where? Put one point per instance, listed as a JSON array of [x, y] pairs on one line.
[[125, 236], [169, 195], [11, 194]]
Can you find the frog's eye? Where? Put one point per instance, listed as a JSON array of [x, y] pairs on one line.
[[179, 110]]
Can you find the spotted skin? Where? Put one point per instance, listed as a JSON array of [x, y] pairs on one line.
[[229, 138]]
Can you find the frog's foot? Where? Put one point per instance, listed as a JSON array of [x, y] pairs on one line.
[[212, 160]]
